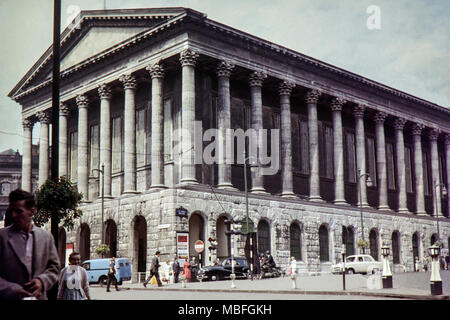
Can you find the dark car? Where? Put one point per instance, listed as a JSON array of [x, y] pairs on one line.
[[223, 270]]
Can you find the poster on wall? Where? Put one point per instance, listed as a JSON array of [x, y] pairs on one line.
[[183, 246]]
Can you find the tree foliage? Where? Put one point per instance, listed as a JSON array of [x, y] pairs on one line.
[[58, 199]]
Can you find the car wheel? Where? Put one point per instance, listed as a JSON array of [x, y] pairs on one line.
[[350, 271]]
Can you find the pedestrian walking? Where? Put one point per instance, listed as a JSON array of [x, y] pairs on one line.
[[176, 270], [112, 275], [154, 270], [447, 261], [187, 270], [29, 262], [194, 269], [73, 280], [416, 264], [293, 266]]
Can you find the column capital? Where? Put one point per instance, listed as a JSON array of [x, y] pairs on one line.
[[257, 78], [224, 69], [188, 57], [156, 71], [128, 81], [358, 110], [399, 123], [104, 91], [27, 123], [337, 103], [380, 117], [82, 101], [43, 117], [433, 134], [417, 129], [64, 109], [312, 96], [286, 88]]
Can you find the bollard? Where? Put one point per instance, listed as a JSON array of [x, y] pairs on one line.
[[294, 281]]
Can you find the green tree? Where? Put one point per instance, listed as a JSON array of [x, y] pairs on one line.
[[58, 200]]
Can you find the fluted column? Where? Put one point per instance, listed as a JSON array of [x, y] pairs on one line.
[[256, 81], [286, 140], [104, 91], [313, 132], [27, 184], [44, 120], [224, 70], [447, 157], [339, 187], [358, 112], [418, 169], [64, 111], [157, 74], [188, 60], [380, 117], [83, 134], [436, 179], [129, 84], [399, 125]]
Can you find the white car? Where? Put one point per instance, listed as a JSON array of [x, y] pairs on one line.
[[360, 263]]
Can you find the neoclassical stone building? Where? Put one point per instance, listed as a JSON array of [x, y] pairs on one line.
[[130, 79]]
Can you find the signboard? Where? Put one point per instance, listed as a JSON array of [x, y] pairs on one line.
[[181, 212], [199, 246], [183, 246]]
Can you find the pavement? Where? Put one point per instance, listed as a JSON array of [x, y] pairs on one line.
[[409, 285]]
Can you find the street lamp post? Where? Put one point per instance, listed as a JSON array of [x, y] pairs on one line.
[[387, 274], [435, 280], [103, 199], [249, 234], [443, 191], [368, 182]]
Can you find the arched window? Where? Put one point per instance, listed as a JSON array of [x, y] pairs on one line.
[[348, 239], [373, 244], [222, 239], [296, 241], [111, 237], [415, 245], [396, 247], [323, 244], [85, 242], [263, 236], [140, 243], [196, 232]]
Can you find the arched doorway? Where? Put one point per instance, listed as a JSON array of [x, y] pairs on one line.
[[140, 244], [348, 239], [222, 240], [111, 237], [415, 247], [295, 241], [263, 235], [196, 232], [324, 252], [62, 246], [85, 242], [396, 247], [373, 243]]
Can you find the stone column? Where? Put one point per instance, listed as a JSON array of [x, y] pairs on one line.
[[447, 157], [83, 134], [188, 60], [44, 120], [64, 112], [436, 179], [313, 132], [418, 169], [380, 117], [339, 186], [27, 182], [129, 84], [358, 112], [399, 124], [104, 91], [224, 70], [256, 81], [157, 74], [286, 140]]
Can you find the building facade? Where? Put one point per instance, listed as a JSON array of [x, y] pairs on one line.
[[141, 87]]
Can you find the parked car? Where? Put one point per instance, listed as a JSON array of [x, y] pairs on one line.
[[223, 270], [360, 263], [97, 270]]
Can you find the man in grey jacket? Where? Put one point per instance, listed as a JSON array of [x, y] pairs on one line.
[[154, 270], [29, 262]]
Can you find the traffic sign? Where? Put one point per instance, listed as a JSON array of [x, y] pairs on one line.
[[199, 246]]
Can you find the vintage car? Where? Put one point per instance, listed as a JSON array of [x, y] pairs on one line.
[[223, 270], [360, 263]]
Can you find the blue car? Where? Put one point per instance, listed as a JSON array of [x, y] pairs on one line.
[[97, 270]]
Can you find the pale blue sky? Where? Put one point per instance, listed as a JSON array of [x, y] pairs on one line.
[[411, 51]]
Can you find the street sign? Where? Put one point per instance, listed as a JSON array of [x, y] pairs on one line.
[[199, 246], [181, 212]]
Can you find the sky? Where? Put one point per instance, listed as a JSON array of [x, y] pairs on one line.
[[404, 44]]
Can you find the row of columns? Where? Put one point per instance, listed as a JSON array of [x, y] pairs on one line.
[[188, 59]]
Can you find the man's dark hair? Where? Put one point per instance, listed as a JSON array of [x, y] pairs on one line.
[[19, 194], [157, 252]]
